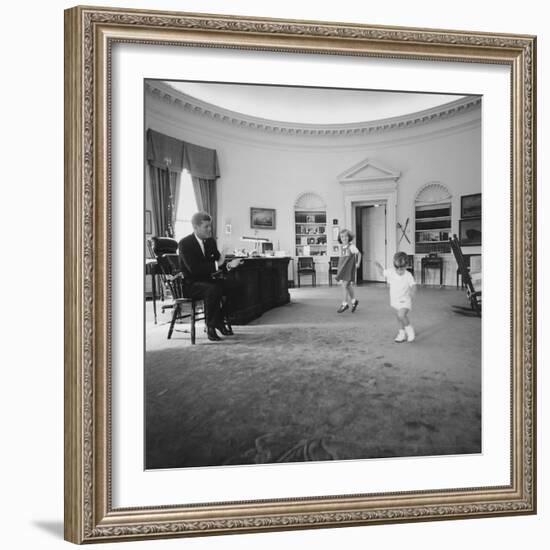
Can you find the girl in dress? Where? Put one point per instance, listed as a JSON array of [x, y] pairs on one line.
[[347, 270]]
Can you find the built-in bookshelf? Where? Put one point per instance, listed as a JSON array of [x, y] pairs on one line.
[[311, 232], [433, 228]]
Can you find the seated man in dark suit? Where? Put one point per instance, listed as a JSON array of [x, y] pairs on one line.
[[198, 254]]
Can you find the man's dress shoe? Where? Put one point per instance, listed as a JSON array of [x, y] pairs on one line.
[[212, 335], [226, 331]]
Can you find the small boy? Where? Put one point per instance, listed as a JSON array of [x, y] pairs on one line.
[[402, 289]]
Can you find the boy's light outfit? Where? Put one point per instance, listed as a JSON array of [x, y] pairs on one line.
[[400, 298], [400, 288]]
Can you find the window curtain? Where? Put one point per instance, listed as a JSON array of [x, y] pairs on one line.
[[202, 164], [164, 190], [205, 193], [167, 157]]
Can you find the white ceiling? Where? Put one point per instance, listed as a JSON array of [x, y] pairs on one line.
[[311, 105]]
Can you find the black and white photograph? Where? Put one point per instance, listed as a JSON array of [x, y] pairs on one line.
[[277, 227], [265, 344]]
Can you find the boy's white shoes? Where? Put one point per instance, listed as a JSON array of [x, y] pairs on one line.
[[401, 337], [406, 335]]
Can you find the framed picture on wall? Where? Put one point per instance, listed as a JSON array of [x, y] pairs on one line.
[[110, 494], [470, 232], [470, 206], [262, 218]]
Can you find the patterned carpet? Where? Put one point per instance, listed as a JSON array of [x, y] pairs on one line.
[[303, 383]]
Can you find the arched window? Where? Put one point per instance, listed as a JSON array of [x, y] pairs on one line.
[[310, 217], [432, 219]]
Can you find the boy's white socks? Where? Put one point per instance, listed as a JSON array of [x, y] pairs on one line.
[[410, 333], [401, 337]]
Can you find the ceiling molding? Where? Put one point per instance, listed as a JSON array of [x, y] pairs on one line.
[[166, 94]]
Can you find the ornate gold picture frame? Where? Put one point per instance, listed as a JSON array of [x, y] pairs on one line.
[[90, 35]]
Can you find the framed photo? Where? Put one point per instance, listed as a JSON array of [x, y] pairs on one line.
[[148, 222], [312, 481], [470, 232], [470, 206], [262, 218]]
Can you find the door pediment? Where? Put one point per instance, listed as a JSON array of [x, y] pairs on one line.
[[366, 183], [368, 171]]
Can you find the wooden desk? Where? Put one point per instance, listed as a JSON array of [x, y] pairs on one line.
[[264, 284], [435, 262]]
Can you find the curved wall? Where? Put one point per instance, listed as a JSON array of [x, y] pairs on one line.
[[266, 169]]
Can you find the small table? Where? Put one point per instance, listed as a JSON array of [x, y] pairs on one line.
[[432, 262]]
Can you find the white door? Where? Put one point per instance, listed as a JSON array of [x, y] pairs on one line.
[[374, 241]]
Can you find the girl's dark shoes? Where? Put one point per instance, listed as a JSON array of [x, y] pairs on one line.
[[343, 308], [354, 306]]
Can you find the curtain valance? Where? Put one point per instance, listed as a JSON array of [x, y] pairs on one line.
[[163, 151], [201, 162]]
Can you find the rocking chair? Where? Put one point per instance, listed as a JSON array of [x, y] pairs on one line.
[[473, 295]]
